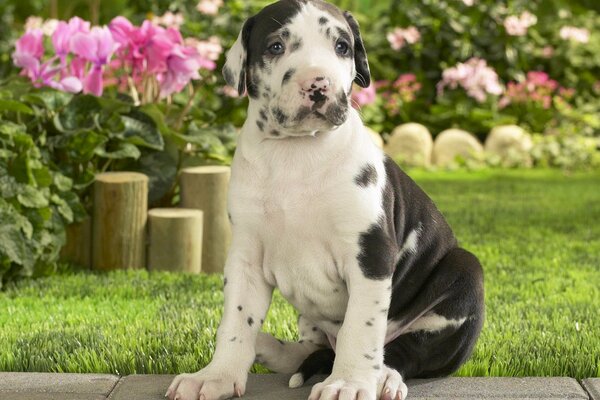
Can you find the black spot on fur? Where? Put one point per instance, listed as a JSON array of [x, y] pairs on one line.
[[369, 323], [377, 367], [368, 357], [376, 301], [261, 125], [297, 45], [303, 112], [287, 76], [367, 176], [301, 341], [376, 258], [240, 308], [275, 132], [279, 115], [337, 322], [225, 279], [262, 321], [285, 33], [263, 114], [233, 339], [328, 33], [323, 20], [314, 329], [250, 321]]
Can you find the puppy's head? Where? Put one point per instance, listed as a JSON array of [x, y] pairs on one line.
[[297, 60]]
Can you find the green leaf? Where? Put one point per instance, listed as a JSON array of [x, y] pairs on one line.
[[79, 114], [123, 150], [50, 99], [63, 208], [161, 169], [83, 145], [13, 243], [32, 197], [43, 176], [62, 183], [16, 106], [141, 130]]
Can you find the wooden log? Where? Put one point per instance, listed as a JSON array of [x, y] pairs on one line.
[[175, 240], [119, 225], [78, 248], [205, 188]]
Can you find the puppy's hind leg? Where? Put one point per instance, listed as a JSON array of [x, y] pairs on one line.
[[286, 357]]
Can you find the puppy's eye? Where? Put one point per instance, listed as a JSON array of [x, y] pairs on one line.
[[342, 47], [276, 48]]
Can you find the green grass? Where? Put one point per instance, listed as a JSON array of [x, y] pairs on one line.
[[537, 234]]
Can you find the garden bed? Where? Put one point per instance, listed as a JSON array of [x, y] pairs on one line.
[[535, 232]]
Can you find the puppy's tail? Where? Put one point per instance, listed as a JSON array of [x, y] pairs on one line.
[[319, 362]]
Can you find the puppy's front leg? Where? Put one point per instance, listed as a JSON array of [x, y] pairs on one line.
[[359, 348], [247, 299]]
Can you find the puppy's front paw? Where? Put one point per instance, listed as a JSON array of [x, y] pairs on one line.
[[206, 385], [391, 386], [334, 388]]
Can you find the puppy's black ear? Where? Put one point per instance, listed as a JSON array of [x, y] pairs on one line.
[[236, 62], [363, 74]]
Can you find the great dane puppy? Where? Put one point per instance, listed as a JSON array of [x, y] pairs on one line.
[[383, 290]]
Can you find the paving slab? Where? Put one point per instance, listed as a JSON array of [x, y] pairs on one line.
[[274, 387], [496, 388], [48, 386], [592, 386]]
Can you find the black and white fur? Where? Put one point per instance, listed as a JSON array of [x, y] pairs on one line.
[[383, 290]]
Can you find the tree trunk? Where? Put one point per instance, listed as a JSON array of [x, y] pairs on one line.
[[120, 213], [175, 240], [205, 188]]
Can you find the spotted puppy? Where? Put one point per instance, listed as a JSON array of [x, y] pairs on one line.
[[383, 290]]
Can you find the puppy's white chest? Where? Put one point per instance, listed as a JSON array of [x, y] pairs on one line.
[[301, 204]]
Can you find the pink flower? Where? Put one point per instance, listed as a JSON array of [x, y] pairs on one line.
[[169, 19], [517, 26], [33, 22], [97, 47], [474, 76], [64, 33], [209, 7], [399, 37], [29, 50], [210, 49], [363, 96], [548, 52], [28, 54], [537, 88], [580, 35], [183, 65], [121, 30]]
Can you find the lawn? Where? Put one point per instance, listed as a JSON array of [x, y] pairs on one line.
[[537, 234]]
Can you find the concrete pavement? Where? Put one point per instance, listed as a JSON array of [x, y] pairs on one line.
[[44, 386]]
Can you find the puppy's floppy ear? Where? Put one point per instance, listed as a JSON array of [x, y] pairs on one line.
[[235, 69], [363, 74]]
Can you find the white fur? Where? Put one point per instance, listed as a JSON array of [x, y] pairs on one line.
[[432, 322]]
